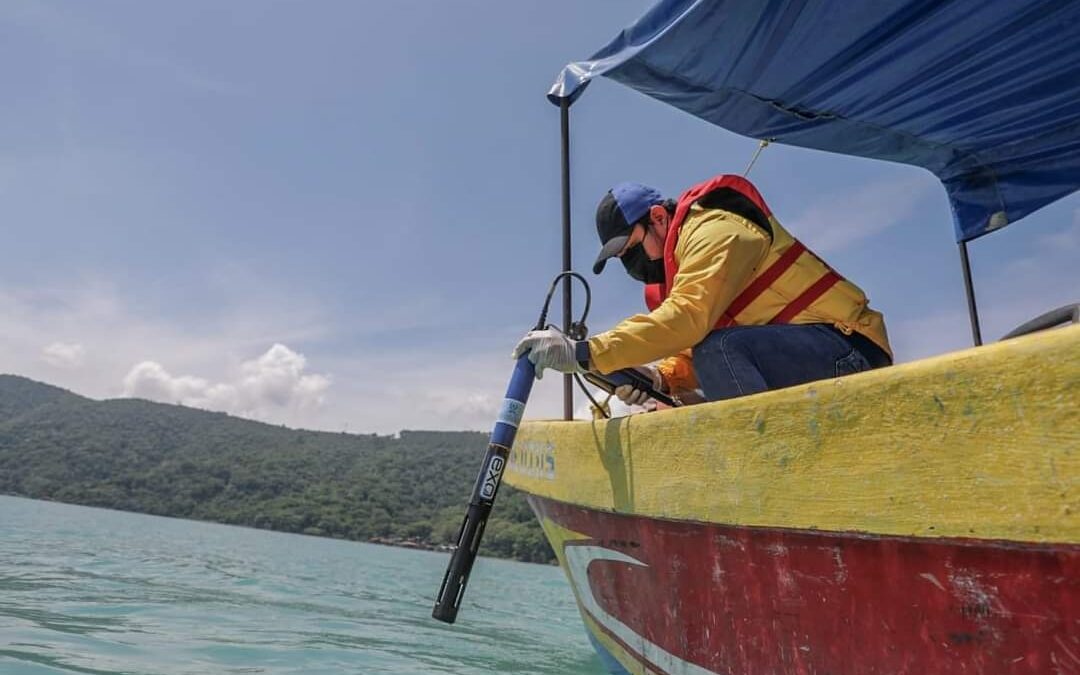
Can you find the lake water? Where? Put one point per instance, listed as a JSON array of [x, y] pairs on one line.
[[94, 591]]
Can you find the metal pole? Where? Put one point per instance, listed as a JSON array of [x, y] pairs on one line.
[[568, 380], [973, 311]]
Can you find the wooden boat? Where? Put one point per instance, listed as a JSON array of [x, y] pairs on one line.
[[923, 518], [920, 518]]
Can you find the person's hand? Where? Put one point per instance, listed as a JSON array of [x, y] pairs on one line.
[[631, 396], [548, 348]]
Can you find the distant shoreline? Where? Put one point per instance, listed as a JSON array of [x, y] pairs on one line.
[[395, 542], [410, 543]]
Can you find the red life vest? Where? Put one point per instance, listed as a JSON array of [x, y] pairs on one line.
[[657, 293]]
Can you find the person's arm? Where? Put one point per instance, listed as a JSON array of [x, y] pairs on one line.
[[717, 253]]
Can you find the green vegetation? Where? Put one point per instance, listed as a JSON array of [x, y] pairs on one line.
[[171, 460]]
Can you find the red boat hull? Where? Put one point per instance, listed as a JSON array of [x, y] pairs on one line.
[[682, 597]]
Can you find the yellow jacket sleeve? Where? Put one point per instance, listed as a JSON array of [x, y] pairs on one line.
[[717, 253]]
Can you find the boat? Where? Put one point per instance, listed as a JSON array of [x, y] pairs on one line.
[[921, 518]]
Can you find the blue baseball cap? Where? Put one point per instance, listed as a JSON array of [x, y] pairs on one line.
[[621, 207]]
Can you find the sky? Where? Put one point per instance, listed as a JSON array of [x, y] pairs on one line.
[[343, 215]]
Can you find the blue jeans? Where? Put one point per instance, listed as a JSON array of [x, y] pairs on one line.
[[744, 360]]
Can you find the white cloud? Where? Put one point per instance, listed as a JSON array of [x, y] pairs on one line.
[[277, 377], [63, 355], [95, 316], [267, 385], [837, 221], [150, 380]]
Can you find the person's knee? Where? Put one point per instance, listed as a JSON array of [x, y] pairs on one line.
[[724, 365], [734, 340]]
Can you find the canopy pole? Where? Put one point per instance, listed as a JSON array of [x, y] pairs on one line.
[[568, 380], [973, 311]]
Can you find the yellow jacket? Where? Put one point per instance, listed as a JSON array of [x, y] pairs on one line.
[[718, 254]]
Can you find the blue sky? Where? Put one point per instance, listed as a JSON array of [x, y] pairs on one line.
[[374, 189]]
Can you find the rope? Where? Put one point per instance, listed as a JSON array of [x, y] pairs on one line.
[[762, 144]]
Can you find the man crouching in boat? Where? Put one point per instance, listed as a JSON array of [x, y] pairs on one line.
[[737, 305]]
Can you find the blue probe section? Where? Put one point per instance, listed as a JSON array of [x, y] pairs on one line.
[[513, 407]]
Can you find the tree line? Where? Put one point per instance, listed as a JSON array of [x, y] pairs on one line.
[[171, 460]]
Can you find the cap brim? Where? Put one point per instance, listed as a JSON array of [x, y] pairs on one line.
[[610, 250]]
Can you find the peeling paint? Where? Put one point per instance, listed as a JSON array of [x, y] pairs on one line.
[[978, 603], [932, 579], [776, 549], [841, 574]]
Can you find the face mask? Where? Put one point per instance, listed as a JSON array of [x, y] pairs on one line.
[[639, 266]]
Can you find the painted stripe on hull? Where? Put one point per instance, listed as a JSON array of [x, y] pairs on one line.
[[682, 597], [578, 561], [609, 661]]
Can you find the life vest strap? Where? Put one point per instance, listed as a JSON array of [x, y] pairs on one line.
[[761, 283], [807, 297]]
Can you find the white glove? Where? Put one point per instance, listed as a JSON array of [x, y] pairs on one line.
[[548, 348], [631, 396]]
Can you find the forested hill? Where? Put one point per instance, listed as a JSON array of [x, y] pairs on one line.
[[171, 460], [20, 395]]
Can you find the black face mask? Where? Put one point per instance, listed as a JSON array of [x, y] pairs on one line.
[[639, 266]]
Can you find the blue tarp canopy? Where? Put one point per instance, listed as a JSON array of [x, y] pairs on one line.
[[983, 93]]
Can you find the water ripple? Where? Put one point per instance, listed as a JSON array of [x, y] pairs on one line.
[[109, 593]]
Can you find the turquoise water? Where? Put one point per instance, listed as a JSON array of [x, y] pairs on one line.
[[93, 591]]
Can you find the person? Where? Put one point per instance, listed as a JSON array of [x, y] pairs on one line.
[[737, 304]]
